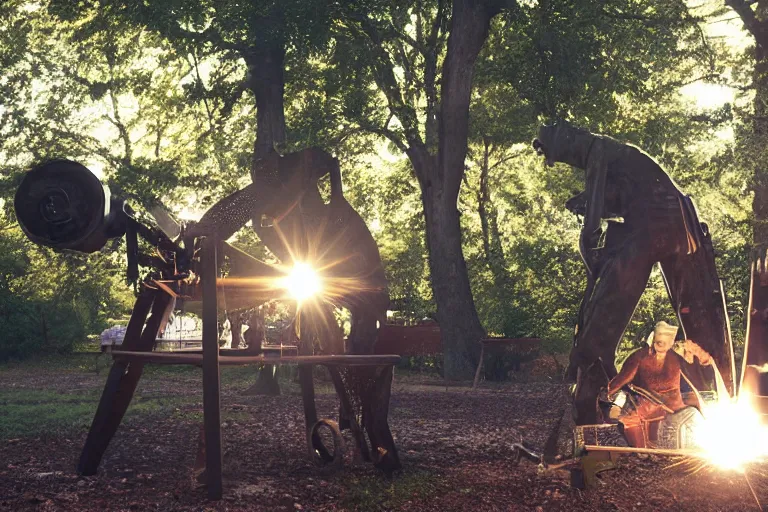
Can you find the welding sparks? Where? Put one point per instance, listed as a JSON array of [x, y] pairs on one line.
[[302, 282], [732, 434]]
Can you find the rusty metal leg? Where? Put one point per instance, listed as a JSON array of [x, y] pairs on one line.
[[375, 421], [314, 446], [123, 378], [96, 443], [211, 378]]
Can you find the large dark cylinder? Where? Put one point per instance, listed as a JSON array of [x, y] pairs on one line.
[[61, 204]]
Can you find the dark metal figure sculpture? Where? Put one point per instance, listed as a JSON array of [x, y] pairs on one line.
[[62, 205], [649, 221], [333, 237]]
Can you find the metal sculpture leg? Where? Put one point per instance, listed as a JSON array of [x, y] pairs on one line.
[[375, 420], [619, 287], [347, 411], [696, 296], [123, 378], [310, 414], [374, 395]]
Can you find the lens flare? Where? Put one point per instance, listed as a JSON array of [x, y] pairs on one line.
[[302, 282]]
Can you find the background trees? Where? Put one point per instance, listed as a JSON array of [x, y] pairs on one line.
[[429, 104]]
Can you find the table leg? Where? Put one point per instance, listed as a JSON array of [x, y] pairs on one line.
[[211, 377]]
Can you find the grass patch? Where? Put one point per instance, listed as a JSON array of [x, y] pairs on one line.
[[59, 394], [377, 493], [60, 362], [34, 412]]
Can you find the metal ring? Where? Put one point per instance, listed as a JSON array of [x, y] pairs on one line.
[[319, 450]]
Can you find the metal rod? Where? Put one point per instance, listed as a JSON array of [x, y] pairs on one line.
[[652, 451], [754, 494], [196, 358], [211, 380]]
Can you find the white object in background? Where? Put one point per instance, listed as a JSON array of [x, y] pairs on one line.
[[113, 336]]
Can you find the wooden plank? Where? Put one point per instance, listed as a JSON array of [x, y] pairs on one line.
[[211, 377], [197, 359]]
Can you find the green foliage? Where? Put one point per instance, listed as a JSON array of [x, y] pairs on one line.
[[49, 302]]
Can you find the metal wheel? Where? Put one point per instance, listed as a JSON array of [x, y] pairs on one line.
[[321, 452]]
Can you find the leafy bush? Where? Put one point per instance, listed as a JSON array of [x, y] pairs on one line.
[[51, 301]]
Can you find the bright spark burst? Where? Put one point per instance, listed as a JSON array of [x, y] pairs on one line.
[[302, 282], [732, 434]]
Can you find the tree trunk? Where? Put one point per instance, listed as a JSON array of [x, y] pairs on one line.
[[440, 180], [460, 326], [267, 81], [236, 326], [756, 23], [760, 129], [494, 252]]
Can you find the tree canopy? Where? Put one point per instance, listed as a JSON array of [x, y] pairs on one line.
[[430, 106]]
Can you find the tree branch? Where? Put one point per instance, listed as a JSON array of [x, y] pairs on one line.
[[430, 76], [385, 79], [504, 159], [172, 29], [124, 135], [708, 76], [385, 132], [747, 15], [645, 20]]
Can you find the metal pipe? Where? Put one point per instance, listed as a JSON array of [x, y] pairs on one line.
[[650, 451]]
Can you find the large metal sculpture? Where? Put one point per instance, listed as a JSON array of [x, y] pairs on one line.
[[62, 205], [649, 220], [332, 236]]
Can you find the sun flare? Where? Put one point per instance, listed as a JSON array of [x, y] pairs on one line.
[[302, 282]]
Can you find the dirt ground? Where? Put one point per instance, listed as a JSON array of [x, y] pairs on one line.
[[454, 443]]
